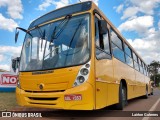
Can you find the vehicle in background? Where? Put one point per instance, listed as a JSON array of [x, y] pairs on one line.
[[8, 80], [151, 83], [75, 58]]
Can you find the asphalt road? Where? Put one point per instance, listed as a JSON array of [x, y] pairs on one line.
[[135, 106]]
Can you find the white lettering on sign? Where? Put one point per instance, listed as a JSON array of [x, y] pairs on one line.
[[7, 79], [13, 80]]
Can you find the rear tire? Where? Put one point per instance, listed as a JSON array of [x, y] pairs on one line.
[[146, 95], [152, 92], [122, 97]]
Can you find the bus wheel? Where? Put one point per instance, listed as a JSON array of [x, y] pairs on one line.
[[146, 95], [152, 92], [122, 97]]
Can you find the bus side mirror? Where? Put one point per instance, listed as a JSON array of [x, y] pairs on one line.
[[14, 65], [16, 35], [18, 59], [103, 27]]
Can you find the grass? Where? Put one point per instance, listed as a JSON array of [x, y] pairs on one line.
[[7, 100]]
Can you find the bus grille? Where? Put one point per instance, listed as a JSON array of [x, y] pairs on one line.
[[42, 100], [42, 103], [44, 91], [37, 98]]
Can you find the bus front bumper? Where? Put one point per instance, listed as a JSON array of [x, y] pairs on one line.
[[58, 100]]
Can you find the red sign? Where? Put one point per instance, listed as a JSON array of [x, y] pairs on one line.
[[7, 79], [73, 97]]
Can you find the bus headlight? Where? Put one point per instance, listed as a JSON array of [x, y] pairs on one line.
[[84, 71], [82, 75], [81, 79]]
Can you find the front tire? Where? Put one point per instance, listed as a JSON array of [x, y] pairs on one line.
[[122, 97]]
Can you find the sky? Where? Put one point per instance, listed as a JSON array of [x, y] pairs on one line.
[[137, 20]]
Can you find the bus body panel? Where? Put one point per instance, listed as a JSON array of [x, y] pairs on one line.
[[121, 73], [56, 99], [141, 86], [104, 79], [60, 79], [136, 81]]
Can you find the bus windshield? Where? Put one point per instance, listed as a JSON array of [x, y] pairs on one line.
[[70, 47]]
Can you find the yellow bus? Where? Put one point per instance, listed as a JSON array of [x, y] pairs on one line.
[[74, 58]]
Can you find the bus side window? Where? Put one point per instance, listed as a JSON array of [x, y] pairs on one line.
[[128, 54], [136, 66], [117, 46], [102, 43]]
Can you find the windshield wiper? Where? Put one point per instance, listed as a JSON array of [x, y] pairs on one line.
[[24, 30], [40, 32], [59, 29], [78, 27], [43, 37], [74, 34]]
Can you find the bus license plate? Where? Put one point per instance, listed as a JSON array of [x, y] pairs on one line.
[[75, 97]]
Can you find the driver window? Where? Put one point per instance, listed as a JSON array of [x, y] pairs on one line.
[[102, 43]]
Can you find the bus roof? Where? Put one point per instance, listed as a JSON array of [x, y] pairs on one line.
[[67, 10]]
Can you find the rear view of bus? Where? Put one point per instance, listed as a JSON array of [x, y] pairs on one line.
[[56, 66]]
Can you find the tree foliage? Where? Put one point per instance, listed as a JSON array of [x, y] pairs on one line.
[[154, 68]]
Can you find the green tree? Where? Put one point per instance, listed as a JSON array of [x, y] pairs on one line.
[[154, 68]]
